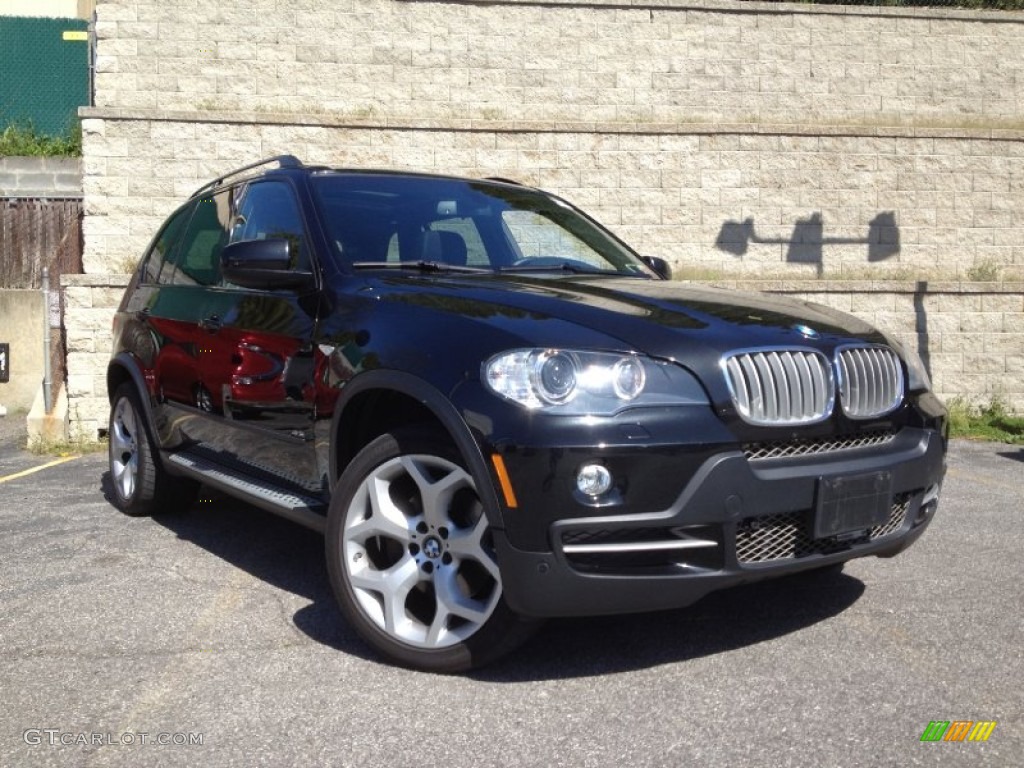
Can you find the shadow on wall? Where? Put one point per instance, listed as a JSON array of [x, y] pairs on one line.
[[921, 326], [806, 245]]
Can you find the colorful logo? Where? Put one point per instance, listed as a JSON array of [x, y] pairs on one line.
[[958, 730]]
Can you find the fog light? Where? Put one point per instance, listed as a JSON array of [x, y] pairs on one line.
[[593, 479]]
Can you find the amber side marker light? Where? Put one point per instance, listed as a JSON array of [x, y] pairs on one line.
[[506, 484]]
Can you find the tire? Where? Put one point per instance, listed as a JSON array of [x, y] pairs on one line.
[[140, 484], [410, 559]]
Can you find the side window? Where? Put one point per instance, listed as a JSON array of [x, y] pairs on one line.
[[198, 257], [164, 244], [268, 209]]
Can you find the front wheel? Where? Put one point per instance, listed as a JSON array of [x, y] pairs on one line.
[[411, 560]]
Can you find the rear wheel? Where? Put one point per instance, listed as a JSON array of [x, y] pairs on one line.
[[411, 560], [140, 484]]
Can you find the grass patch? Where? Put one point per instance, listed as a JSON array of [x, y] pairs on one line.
[[22, 140], [64, 448], [992, 422]]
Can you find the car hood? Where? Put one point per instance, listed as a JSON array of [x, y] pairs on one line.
[[665, 319]]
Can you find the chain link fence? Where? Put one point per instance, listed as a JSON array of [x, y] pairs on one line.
[[45, 73]]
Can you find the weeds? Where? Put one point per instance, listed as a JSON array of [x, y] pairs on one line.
[[22, 140], [64, 448], [127, 264], [986, 422], [986, 271]]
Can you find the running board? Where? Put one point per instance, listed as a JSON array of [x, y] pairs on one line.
[[301, 509]]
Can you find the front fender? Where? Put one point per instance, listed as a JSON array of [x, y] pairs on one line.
[[441, 407]]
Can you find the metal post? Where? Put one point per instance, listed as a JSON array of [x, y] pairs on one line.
[[92, 59], [46, 340]]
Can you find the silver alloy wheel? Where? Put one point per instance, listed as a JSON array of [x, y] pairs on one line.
[[204, 400], [417, 552], [124, 451]]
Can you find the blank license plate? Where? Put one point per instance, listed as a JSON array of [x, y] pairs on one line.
[[852, 503]]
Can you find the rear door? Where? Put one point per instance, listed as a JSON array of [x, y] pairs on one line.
[[185, 376]]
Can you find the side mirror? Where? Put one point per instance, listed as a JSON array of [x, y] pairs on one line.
[[658, 265], [263, 264]]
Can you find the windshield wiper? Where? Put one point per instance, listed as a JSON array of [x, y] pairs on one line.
[[567, 267], [418, 266]]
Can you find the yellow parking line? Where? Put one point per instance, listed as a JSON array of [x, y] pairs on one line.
[[40, 468]]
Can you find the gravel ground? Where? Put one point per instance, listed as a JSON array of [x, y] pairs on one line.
[[217, 624]]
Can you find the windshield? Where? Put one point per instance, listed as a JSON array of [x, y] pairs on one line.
[[391, 220]]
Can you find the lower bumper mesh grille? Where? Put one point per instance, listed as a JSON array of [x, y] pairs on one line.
[[788, 449], [788, 536]]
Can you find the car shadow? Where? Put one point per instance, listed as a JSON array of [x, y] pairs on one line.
[[1017, 455], [290, 557], [281, 553], [722, 621]]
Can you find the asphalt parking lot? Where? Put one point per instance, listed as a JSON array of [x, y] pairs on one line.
[[217, 626]]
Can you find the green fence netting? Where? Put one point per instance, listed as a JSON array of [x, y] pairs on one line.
[[44, 72]]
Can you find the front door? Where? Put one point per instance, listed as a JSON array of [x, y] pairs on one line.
[[241, 378]]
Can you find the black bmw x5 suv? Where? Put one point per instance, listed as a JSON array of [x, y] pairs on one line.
[[495, 411]]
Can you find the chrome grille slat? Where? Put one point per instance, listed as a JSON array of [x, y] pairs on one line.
[[877, 379], [870, 381], [780, 386], [895, 375], [806, 380], [764, 370], [791, 384]]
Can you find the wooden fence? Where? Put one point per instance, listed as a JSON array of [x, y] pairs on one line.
[[37, 233]]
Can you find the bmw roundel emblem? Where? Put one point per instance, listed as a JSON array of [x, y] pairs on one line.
[[806, 331]]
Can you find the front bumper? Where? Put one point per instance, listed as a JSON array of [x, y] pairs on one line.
[[735, 521]]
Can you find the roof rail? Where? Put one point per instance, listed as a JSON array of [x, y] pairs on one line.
[[283, 161]]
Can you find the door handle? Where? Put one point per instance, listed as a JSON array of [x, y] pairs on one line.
[[213, 323]]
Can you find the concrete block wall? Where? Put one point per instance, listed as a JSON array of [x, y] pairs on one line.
[[40, 177], [752, 138], [613, 61], [739, 140], [89, 303], [893, 203]]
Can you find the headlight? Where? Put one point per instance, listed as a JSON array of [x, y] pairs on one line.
[[575, 382], [917, 374], [553, 375]]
